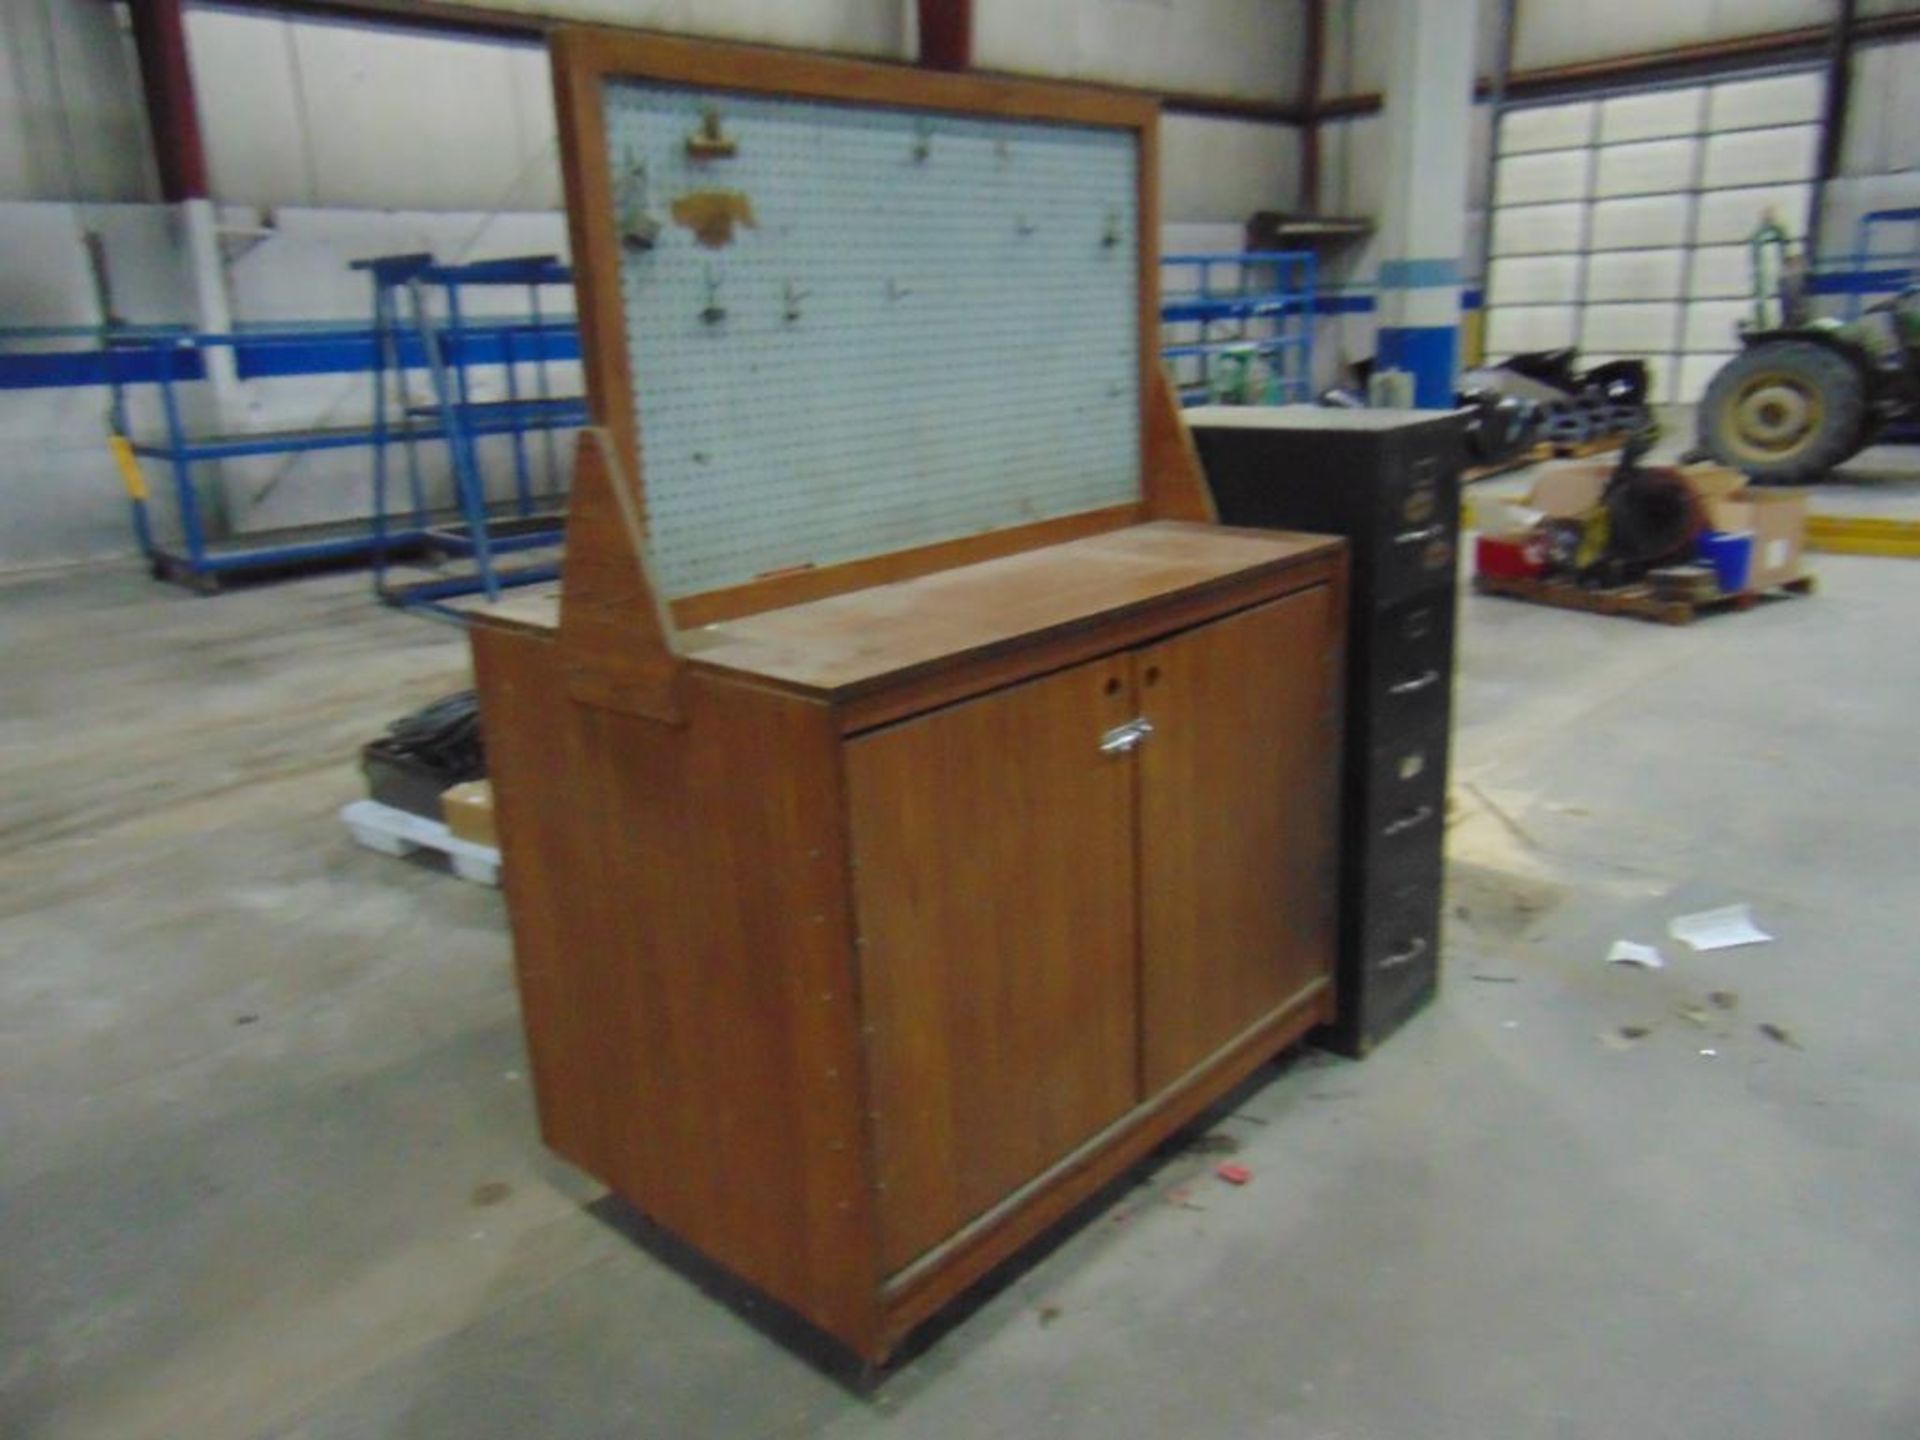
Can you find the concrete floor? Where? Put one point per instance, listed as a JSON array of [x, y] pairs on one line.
[[269, 1167]]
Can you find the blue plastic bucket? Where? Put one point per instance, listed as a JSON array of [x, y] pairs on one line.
[[1730, 552]]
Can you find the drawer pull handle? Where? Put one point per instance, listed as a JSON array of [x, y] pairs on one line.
[[1415, 685], [1413, 950], [1122, 738], [1408, 821], [1420, 536]]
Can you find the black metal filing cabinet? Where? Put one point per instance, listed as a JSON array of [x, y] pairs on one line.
[[1389, 481]]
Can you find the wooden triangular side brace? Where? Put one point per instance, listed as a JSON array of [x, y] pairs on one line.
[[617, 639]]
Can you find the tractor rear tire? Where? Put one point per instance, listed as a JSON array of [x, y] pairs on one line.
[[1785, 411]]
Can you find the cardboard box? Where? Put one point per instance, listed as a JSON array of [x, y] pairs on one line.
[[1712, 482], [1569, 491], [468, 811], [1778, 521]]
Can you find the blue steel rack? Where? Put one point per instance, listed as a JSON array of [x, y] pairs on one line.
[[1265, 298], [1885, 272], [172, 357], [406, 323]]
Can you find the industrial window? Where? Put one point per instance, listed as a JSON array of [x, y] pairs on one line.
[[1620, 224]]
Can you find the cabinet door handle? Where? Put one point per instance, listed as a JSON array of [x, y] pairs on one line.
[[1420, 536], [1122, 738], [1415, 685], [1406, 955], [1408, 821]]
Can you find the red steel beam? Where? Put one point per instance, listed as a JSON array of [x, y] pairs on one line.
[[946, 34], [1312, 66], [160, 36]]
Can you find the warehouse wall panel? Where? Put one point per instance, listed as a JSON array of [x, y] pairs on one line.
[[1537, 280], [1649, 167], [1727, 216], [1677, 179], [1635, 275], [304, 112], [72, 122], [1719, 271], [1633, 329], [254, 115], [1696, 373], [1532, 179], [1514, 328], [1653, 115], [1768, 100], [1538, 229], [1548, 127], [1883, 124], [1640, 220], [1761, 157], [1225, 169], [1714, 324], [408, 120], [863, 27], [1564, 32], [1232, 47]]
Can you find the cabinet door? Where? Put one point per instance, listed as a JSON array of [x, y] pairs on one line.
[[1237, 807], [994, 853]]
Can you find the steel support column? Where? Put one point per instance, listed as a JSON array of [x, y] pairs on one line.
[[1429, 122]]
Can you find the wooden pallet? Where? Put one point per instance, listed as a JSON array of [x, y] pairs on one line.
[[1638, 601], [1584, 449], [1532, 455], [1546, 450]]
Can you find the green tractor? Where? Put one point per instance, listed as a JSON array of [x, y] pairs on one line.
[[1804, 395]]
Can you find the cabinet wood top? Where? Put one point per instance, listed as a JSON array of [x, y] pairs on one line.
[[855, 641]]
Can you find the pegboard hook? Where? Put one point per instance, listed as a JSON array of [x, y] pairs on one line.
[[639, 230], [713, 312]]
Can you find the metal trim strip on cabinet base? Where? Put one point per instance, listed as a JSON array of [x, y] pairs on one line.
[[924, 1287]]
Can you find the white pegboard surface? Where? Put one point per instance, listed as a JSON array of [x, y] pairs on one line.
[[965, 356]]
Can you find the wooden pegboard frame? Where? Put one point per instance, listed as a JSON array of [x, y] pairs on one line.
[[621, 639]]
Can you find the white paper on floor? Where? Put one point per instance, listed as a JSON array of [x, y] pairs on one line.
[[1625, 952], [1720, 929]]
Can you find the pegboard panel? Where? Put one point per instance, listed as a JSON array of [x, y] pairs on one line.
[[918, 326]]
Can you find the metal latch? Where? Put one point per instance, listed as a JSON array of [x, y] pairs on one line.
[[1122, 738]]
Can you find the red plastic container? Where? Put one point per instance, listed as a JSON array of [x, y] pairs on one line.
[[1509, 557]]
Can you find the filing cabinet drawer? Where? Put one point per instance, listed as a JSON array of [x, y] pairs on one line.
[[1399, 931], [1404, 668], [1406, 793], [1418, 534]]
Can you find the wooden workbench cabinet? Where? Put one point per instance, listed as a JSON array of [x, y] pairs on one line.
[[938, 904]]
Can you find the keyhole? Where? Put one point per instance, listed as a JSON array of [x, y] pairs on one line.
[[1113, 685], [1153, 673]]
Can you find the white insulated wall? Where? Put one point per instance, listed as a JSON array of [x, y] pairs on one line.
[[72, 126]]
